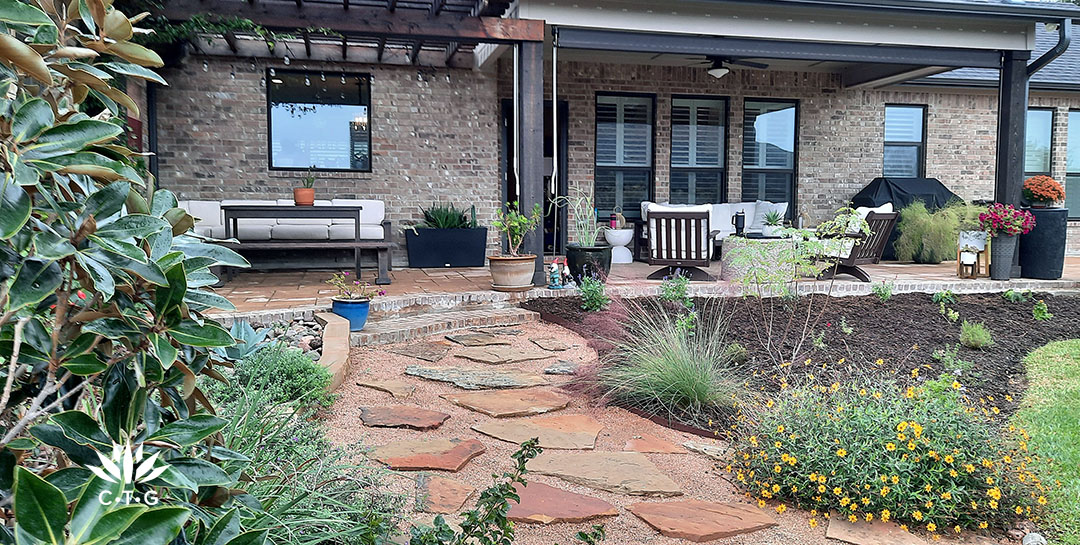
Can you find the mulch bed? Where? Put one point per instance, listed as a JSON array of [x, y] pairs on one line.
[[904, 332]]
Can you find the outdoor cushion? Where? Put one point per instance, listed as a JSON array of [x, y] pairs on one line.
[[249, 221], [212, 231], [373, 213], [346, 232], [208, 213], [864, 211], [762, 208], [252, 232], [299, 232], [303, 221]]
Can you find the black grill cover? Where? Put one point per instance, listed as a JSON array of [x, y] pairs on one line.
[[902, 192]]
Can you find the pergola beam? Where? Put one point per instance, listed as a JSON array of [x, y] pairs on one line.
[[278, 15], [307, 42], [437, 6], [880, 75], [230, 38], [391, 5], [381, 48]]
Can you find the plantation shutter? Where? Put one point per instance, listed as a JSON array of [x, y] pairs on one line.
[[623, 131]]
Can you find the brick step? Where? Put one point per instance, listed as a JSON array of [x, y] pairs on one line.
[[396, 330], [403, 306]]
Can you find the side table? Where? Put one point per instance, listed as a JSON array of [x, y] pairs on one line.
[[619, 239]]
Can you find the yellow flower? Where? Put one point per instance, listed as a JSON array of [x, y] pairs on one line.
[[841, 453], [927, 488], [949, 459], [879, 361], [821, 479], [931, 527], [845, 500], [852, 518], [946, 495], [895, 479], [813, 523], [901, 437], [909, 393], [993, 504], [1042, 500], [780, 429], [953, 473], [885, 490], [983, 525], [877, 395], [775, 488], [777, 468], [911, 445], [917, 515], [885, 515], [890, 446], [781, 508], [838, 491], [761, 504], [956, 528], [969, 468], [901, 426], [915, 373], [821, 489], [869, 517]]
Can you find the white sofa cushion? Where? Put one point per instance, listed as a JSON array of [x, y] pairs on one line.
[[720, 219], [299, 232], [373, 212], [864, 211], [303, 221], [762, 209], [252, 232], [207, 212], [346, 232], [212, 231]]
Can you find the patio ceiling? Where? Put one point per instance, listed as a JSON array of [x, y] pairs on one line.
[[417, 32]]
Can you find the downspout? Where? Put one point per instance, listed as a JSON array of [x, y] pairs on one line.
[[1064, 37]]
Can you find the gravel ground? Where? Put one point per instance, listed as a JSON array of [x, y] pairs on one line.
[[695, 473]]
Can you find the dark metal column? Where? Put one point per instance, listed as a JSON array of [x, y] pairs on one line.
[[1012, 121], [531, 140], [1012, 124]]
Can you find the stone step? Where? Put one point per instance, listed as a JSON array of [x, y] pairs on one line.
[[402, 329]]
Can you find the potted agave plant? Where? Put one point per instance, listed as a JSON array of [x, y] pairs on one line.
[[774, 221], [446, 237], [514, 272], [353, 301], [305, 194], [585, 256]]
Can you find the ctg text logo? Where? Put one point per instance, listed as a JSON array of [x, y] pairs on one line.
[[124, 467]]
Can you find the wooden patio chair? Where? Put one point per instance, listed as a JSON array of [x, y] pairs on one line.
[[864, 249], [680, 240]]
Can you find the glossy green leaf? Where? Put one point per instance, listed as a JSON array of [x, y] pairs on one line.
[[190, 430], [208, 300], [148, 271], [134, 70], [122, 248], [7, 468], [106, 201], [71, 481], [22, 443], [172, 294], [157, 526], [166, 353], [83, 429], [201, 472], [111, 328], [72, 137], [97, 166], [162, 201], [225, 528], [40, 507], [23, 14], [84, 365], [36, 280], [49, 245], [99, 274], [220, 255], [52, 435], [113, 523], [90, 506], [208, 334], [14, 208], [172, 478], [132, 226], [252, 537], [31, 119]]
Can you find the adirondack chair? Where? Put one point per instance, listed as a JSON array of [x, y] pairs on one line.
[[680, 240], [861, 249]]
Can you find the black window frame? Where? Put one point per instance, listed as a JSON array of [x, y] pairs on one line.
[[725, 144], [649, 170], [920, 146], [1050, 157], [794, 171], [270, 123], [1074, 214]]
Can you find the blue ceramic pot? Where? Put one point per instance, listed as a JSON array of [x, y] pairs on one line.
[[355, 311]]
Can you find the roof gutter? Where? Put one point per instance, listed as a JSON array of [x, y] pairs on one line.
[[1064, 37], [1018, 10]]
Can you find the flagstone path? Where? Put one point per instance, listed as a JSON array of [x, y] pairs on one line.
[[625, 482]]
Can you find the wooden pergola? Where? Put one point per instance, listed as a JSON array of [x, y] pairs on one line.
[[404, 32]]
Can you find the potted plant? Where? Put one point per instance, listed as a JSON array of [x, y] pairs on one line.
[[584, 256], [514, 272], [353, 299], [305, 194], [446, 237], [1003, 222], [773, 223], [1042, 250]]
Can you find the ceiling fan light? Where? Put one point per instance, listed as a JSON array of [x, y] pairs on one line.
[[719, 71]]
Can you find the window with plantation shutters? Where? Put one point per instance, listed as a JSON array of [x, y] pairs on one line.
[[624, 150], [769, 138], [698, 150], [905, 146]]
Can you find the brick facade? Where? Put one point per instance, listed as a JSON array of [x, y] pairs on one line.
[[436, 133]]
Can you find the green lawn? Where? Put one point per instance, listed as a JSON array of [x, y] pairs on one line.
[[1051, 413]]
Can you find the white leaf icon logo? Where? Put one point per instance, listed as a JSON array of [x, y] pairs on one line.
[[123, 466]]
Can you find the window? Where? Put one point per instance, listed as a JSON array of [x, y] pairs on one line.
[[905, 146], [624, 150], [769, 129], [1072, 166], [1040, 129], [319, 119], [698, 147]]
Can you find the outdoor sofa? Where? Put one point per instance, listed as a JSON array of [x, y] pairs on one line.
[[721, 215]]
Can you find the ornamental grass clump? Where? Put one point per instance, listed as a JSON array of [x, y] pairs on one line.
[[690, 375], [919, 456]]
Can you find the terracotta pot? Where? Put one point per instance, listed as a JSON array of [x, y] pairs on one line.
[[303, 196], [512, 273]]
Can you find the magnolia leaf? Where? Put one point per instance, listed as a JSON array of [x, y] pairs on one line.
[[96, 166], [24, 57], [209, 334], [54, 436], [113, 523], [31, 119], [172, 478], [70, 480], [14, 208], [147, 270], [181, 221], [99, 274], [72, 137], [135, 53], [73, 53], [106, 201], [90, 508], [162, 201], [225, 528], [84, 365], [49, 245], [83, 429], [220, 254], [117, 26], [164, 350], [207, 300], [134, 70], [23, 14], [40, 508], [121, 98], [251, 537], [132, 226], [36, 280], [189, 431], [201, 472], [120, 247]]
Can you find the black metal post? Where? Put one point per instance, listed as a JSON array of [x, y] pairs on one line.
[[1012, 124], [531, 141]]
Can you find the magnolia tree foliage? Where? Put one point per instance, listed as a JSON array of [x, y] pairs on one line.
[[103, 327]]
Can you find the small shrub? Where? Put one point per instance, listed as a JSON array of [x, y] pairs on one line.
[[975, 335], [944, 296], [675, 289], [687, 321], [877, 451], [736, 353], [819, 341], [1014, 296], [1040, 311], [951, 315], [286, 374], [593, 296], [844, 327], [950, 359], [882, 290]]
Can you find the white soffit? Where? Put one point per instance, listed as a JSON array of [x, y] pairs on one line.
[[788, 23]]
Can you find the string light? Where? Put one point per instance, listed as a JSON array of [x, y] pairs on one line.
[[273, 72], [307, 81], [322, 76]]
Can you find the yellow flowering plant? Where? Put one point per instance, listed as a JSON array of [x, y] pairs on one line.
[[916, 455]]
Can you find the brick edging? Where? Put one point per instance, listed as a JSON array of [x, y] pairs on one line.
[[335, 347]]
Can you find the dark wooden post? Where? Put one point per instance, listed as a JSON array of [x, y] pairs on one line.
[[531, 140], [1012, 125]]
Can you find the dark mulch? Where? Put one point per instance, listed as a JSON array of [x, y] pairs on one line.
[[888, 331]]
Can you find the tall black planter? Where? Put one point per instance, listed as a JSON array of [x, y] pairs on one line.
[[1042, 251], [588, 260], [446, 247]]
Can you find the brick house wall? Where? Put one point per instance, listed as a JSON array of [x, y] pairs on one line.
[[435, 137]]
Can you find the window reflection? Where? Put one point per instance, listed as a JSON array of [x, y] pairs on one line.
[[320, 120]]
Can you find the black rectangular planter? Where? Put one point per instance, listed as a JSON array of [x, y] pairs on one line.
[[446, 247]]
